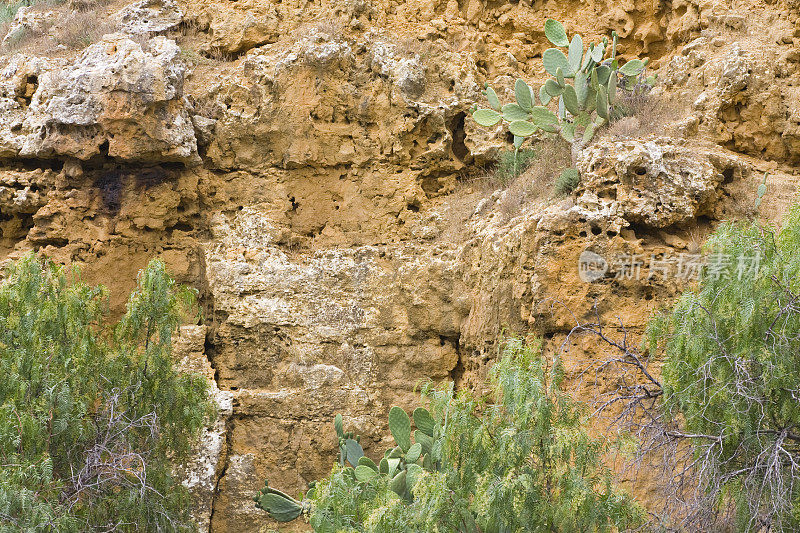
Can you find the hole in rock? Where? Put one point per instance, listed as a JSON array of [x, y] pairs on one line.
[[28, 88], [727, 175], [456, 128]]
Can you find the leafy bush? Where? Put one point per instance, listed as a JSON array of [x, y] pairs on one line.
[[512, 163], [517, 460], [732, 374], [92, 417]]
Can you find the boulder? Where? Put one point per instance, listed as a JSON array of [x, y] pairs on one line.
[[657, 182], [116, 100], [149, 16]]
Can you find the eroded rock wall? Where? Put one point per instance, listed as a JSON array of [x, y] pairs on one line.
[[316, 176]]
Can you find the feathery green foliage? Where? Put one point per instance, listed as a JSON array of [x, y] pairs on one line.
[[518, 460], [92, 417], [732, 373]]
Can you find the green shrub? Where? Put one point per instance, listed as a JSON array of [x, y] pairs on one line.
[[512, 163], [517, 460], [567, 181], [92, 417], [732, 374]]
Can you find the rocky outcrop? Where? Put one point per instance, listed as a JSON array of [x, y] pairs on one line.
[[235, 27], [636, 199], [149, 16], [352, 136], [341, 230], [743, 94], [116, 100], [202, 474], [655, 183], [325, 101], [22, 194]]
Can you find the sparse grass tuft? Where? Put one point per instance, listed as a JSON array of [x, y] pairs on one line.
[[511, 165], [75, 24], [535, 183], [9, 10], [643, 114], [80, 29]]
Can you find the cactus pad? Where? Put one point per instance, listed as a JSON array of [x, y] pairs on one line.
[[424, 421], [400, 426]]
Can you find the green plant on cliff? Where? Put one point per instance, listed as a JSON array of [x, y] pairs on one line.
[[92, 417], [511, 164], [732, 375], [583, 90], [516, 460], [8, 10]]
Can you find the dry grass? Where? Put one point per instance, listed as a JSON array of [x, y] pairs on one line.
[[73, 25], [80, 29], [511, 164], [643, 115], [86, 5], [476, 194], [460, 205], [192, 38], [32, 42]]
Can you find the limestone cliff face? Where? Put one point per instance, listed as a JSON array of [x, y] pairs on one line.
[[319, 183]]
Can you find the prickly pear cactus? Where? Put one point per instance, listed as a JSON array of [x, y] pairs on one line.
[[583, 90], [279, 505], [400, 426], [401, 466], [424, 421], [762, 190], [350, 450]]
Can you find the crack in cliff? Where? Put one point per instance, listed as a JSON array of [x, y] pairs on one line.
[[222, 469], [207, 303]]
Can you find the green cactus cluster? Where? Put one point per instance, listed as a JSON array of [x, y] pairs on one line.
[[585, 86], [350, 450], [278, 504], [404, 463], [401, 465]]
